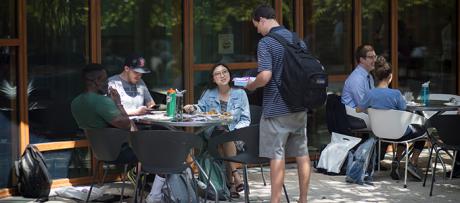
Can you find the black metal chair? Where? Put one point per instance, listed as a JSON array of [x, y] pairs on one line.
[[256, 114], [106, 145], [250, 136], [163, 152], [446, 138]]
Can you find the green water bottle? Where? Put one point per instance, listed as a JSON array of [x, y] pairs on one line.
[[171, 103]]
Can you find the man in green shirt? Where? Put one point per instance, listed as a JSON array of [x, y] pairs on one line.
[[92, 109]]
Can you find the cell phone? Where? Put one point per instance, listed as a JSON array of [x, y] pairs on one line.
[[156, 107]]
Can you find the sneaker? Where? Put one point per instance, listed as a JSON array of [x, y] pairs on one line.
[[414, 171], [395, 171], [131, 175]]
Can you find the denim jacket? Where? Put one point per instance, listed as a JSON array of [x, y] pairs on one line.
[[237, 105]]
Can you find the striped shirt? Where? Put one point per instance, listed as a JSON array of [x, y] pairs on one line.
[[270, 58]]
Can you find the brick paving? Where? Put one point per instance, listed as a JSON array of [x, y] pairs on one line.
[[324, 188]]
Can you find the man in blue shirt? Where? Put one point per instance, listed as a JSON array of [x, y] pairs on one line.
[[282, 130], [360, 81]]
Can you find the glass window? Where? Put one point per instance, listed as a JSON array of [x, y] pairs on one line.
[[376, 25], [223, 31], [8, 22], [71, 163], [289, 14], [150, 28], [8, 113], [328, 33], [426, 45], [57, 49]]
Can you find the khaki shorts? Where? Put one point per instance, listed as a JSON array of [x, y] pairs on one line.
[[283, 136]]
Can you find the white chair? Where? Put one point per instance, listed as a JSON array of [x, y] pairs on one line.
[[352, 112], [390, 125]]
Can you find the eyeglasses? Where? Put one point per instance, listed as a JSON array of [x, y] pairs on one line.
[[224, 72], [372, 56]]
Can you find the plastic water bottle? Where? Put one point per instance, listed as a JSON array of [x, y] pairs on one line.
[[171, 103], [425, 93]]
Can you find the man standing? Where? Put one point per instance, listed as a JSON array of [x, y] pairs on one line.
[[282, 130], [135, 96], [360, 81]]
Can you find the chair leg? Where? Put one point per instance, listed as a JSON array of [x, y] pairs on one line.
[[138, 179], [453, 164], [92, 182], [123, 178], [143, 181], [262, 172], [103, 176], [246, 188], [434, 172], [407, 163], [286, 193], [428, 164], [378, 158]]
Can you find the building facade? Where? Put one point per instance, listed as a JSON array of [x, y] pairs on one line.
[[44, 44]]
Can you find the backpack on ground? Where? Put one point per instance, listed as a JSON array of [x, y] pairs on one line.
[[180, 188], [34, 180], [303, 79], [360, 167], [216, 176]]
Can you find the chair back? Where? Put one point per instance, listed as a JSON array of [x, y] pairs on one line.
[[392, 124], [106, 142], [448, 128], [352, 112], [163, 151], [249, 135], [336, 115], [256, 114]]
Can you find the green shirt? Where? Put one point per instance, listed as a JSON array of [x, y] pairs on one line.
[[92, 110]]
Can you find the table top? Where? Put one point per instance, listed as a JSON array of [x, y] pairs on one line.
[[433, 105], [189, 120]]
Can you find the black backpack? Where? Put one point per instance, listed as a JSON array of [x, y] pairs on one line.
[[34, 180], [303, 79]]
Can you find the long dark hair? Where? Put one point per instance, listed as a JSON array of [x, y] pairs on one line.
[[211, 83]]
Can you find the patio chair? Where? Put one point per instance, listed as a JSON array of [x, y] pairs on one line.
[[256, 114], [447, 128], [390, 125], [106, 145], [162, 152], [250, 136]]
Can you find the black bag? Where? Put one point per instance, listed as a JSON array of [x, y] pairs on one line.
[[303, 79], [34, 180]]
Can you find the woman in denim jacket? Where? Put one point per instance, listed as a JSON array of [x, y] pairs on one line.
[[222, 97]]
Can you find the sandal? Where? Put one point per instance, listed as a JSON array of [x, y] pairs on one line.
[[239, 187], [233, 192]]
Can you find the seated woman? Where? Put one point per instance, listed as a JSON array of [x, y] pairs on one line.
[[221, 97], [383, 97]]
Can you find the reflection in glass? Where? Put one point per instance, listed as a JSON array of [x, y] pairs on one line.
[[376, 25], [57, 49], [72, 163], [150, 28], [328, 33], [223, 31], [288, 14], [8, 113], [426, 45], [8, 21]]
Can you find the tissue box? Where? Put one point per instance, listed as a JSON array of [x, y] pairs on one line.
[[242, 82]]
